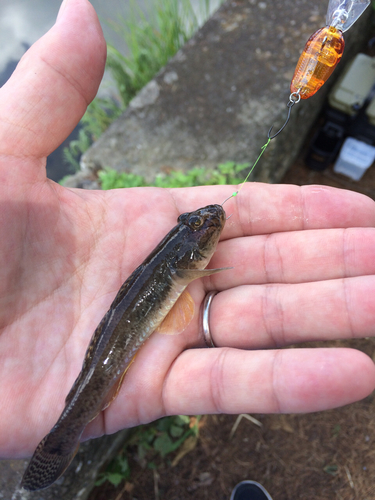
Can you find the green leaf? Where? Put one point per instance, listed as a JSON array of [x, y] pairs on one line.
[[226, 168], [115, 478], [176, 431], [331, 469], [111, 179], [164, 424], [102, 478], [184, 419], [163, 444], [123, 464]]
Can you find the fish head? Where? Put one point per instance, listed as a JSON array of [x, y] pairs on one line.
[[202, 229]]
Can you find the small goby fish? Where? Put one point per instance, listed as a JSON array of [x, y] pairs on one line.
[[152, 298]]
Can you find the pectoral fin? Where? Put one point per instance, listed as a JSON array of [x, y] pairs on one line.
[[188, 275], [179, 316]]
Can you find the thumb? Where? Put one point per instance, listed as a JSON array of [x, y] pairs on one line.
[[53, 83]]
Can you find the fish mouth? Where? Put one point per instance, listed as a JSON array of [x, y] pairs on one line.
[[214, 215]]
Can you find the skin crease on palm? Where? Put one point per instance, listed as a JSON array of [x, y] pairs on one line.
[[303, 269]]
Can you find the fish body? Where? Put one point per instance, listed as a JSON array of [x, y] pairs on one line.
[[139, 308]]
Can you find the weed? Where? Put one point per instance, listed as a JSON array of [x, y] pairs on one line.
[[150, 442], [111, 179], [152, 39], [116, 472], [226, 173], [331, 469]]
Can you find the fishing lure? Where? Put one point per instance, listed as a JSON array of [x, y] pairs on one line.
[[322, 52]]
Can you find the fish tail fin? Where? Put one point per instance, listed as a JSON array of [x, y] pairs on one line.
[[47, 464]]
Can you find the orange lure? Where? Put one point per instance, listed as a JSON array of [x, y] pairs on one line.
[[319, 58]]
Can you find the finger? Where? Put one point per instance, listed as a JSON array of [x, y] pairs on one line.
[[55, 80], [275, 315], [295, 257], [292, 380], [227, 380], [267, 208]]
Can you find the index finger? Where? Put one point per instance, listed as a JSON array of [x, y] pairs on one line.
[[268, 208]]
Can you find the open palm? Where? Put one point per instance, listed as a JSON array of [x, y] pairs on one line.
[[306, 272]]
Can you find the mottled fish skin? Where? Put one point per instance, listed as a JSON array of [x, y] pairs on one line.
[[140, 306]]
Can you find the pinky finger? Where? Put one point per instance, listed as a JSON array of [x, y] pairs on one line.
[[229, 380]]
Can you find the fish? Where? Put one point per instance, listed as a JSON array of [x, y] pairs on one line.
[[153, 298]]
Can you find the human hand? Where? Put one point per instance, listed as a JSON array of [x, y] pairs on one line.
[[302, 257]]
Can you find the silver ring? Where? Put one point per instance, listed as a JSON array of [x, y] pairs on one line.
[[205, 315], [295, 97]]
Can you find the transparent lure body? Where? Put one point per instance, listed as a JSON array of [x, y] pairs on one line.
[[319, 58], [341, 14]]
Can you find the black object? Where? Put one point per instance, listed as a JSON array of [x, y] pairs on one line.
[[250, 490], [326, 143], [325, 146], [360, 128]]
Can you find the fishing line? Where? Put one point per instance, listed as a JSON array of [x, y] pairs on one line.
[[248, 175], [263, 148]]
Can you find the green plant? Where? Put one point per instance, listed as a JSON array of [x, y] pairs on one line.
[[150, 442], [226, 173], [152, 39], [333, 470], [116, 471], [111, 179]]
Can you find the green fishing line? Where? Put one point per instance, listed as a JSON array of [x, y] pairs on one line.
[[252, 168]]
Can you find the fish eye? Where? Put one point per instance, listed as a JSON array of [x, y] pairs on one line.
[[195, 222]]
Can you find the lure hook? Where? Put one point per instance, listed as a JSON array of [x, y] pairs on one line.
[[294, 98], [229, 197]]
